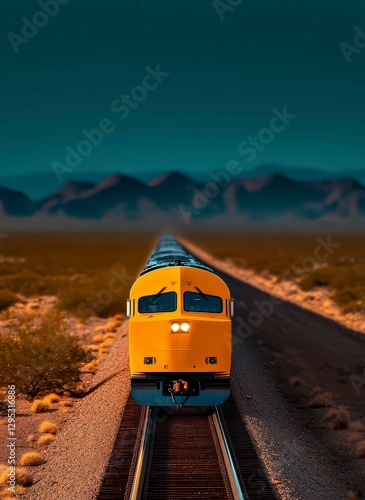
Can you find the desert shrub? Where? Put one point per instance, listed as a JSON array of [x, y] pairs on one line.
[[31, 458], [47, 427], [93, 347], [40, 358], [339, 417], [51, 398], [360, 449], [40, 406], [46, 439], [27, 283], [22, 477], [98, 338], [66, 403], [350, 298], [321, 400], [7, 299]]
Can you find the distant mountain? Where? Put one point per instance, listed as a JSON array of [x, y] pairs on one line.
[[174, 197], [39, 185], [117, 194], [15, 203], [68, 192]]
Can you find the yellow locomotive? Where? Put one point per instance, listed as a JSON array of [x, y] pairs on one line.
[[179, 331]]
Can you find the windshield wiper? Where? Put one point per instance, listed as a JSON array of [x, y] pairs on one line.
[[201, 293], [158, 294]]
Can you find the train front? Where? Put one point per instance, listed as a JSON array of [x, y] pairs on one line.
[[179, 332]]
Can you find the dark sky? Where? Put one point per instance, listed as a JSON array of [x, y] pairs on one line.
[[225, 78]]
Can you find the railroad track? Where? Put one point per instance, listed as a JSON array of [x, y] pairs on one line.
[[183, 454]]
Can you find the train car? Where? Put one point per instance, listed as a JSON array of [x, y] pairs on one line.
[[179, 331]]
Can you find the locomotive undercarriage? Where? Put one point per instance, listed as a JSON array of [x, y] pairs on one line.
[[180, 389]]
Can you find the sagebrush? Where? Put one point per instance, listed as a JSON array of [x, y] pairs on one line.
[[40, 358]]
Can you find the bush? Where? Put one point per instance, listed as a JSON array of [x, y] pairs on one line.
[[321, 400], [339, 417], [31, 458], [46, 439], [40, 358], [40, 406], [7, 299], [22, 477], [51, 398], [360, 449], [47, 427]]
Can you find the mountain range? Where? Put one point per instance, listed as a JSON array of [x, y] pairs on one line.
[[174, 197]]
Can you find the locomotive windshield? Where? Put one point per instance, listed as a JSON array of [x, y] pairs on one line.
[[163, 302], [199, 302]]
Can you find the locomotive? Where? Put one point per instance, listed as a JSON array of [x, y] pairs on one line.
[[180, 331]]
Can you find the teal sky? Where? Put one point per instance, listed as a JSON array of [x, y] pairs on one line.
[[225, 77]]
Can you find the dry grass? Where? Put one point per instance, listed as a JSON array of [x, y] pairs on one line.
[[352, 495], [93, 347], [40, 406], [106, 344], [339, 417], [46, 439], [343, 272], [357, 426], [66, 404], [322, 400], [31, 458], [98, 338], [51, 398], [360, 449], [31, 439], [91, 367], [48, 427], [74, 268]]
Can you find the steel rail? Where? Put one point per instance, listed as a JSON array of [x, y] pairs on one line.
[[227, 456], [139, 475]]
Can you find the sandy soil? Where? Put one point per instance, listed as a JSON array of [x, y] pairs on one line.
[[68, 409]]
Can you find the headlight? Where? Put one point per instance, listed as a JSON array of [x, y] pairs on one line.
[[185, 327], [175, 327]]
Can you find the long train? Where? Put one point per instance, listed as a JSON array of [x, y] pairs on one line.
[[180, 331]]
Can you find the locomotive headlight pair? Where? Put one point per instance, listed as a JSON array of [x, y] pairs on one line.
[[176, 327]]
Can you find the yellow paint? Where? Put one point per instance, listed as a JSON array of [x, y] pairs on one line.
[[150, 333]]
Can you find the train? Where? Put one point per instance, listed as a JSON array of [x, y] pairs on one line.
[[180, 331]]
